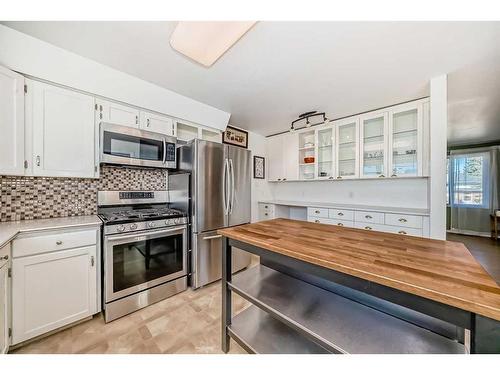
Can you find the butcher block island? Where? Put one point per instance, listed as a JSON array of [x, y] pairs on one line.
[[326, 289]]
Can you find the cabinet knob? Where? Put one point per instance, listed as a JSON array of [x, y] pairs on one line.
[[340, 224], [38, 160], [284, 179], [5, 257], [316, 212], [368, 217], [266, 214], [279, 179], [402, 232], [402, 220], [340, 214], [265, 207], [316, 221], [58, 242], [368, 228]]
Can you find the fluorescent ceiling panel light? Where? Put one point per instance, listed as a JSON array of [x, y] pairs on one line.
[[206, 42]]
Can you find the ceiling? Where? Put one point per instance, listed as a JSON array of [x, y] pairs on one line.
[[281, 69]]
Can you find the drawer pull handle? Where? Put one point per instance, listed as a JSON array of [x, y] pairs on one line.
[[368, 228], [394, 175], [340, 224], [340, 214], [402, 232], [402, 220], [330, 178], [265, 207], [339, 177], [92, 261], [382, 175], [5, 257], [316, 212], [58, 242], [368, 217], [316, 221], [266, 214]]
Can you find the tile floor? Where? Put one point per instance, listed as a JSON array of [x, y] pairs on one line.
[[188, 322]]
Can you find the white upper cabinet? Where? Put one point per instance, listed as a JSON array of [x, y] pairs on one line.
[[283, 157], [11, 122], [118, 114], [274, 151], [157, 123], [325, 140], [347, 148], [406, 140], [61, 125], [373, 145]]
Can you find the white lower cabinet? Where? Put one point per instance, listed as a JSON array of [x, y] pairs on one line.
[[266, 211], [4, 299], [51, 289], [412, 225]]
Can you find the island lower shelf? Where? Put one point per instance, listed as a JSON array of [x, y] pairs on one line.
[[292, 316]]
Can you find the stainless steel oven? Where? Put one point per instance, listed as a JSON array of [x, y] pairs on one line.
[[124, 145], [143, 267]]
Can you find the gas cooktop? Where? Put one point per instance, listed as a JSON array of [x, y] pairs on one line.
[[139, 214]]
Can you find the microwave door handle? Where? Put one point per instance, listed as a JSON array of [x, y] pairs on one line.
[[164, 150], [231, 167]]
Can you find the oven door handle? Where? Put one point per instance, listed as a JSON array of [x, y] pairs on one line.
[[164, 150], [113, 237]]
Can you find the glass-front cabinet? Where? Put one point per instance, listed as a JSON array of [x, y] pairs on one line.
[[307, 157], [373, 143], [347, 146], [325, 154], [405, 123]]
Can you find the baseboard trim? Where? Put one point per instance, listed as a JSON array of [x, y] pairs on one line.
[[469, 233]]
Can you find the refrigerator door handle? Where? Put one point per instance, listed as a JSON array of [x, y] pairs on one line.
[[225, 188], [231, 167]]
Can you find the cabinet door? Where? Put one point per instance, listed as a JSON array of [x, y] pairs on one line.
[[157, 123], [406, 134], [347, 148], [4, 321], [290, 157], [63, 133], [275, 170], [373, 145], [325, 154], [11, 122], [117, 113], [51, 290]]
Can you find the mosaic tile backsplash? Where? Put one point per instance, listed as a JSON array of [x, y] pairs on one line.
[[23, 198]]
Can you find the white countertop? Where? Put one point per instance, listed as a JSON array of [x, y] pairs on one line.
[[10, 229], [361, 207]]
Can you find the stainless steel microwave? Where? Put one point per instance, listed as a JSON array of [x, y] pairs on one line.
[[124, 145]]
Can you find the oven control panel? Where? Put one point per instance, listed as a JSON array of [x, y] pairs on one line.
[[144, 225]]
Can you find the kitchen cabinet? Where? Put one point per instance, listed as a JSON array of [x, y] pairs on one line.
[[373, 145], [51, 289], [116, 113], [4, 299], [325, 140], [157, 123], [347, 148], [283, 157], [60, 126], [11, 122], [406, 140], [266, 211]]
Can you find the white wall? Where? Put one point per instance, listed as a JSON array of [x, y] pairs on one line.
[[408, 192], [37, 58], [438, 143]]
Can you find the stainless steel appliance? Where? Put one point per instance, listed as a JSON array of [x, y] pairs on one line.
[[144, 250], [220, 197], [124, 145]]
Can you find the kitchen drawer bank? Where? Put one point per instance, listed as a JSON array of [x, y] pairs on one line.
[[404, 221], [55, 273]]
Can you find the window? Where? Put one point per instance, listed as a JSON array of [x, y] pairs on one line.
[[468, 177]]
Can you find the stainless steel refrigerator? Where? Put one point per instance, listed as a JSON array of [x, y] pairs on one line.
[[220, 180]]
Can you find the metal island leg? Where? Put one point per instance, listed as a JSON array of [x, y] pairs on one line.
[[226, 293]]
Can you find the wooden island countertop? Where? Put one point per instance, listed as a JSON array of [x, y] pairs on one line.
[[441, 271]]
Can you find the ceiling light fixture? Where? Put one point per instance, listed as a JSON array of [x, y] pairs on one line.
[[205, 42], [306, 116]]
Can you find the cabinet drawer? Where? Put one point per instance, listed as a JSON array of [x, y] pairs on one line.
[[341, 214], [52, 241], [404, 230], [371, 226], [340, 223], [317, 212], [407, 221], [369, 217]]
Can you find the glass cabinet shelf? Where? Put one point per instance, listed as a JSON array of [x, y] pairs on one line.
[[405, 142]]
